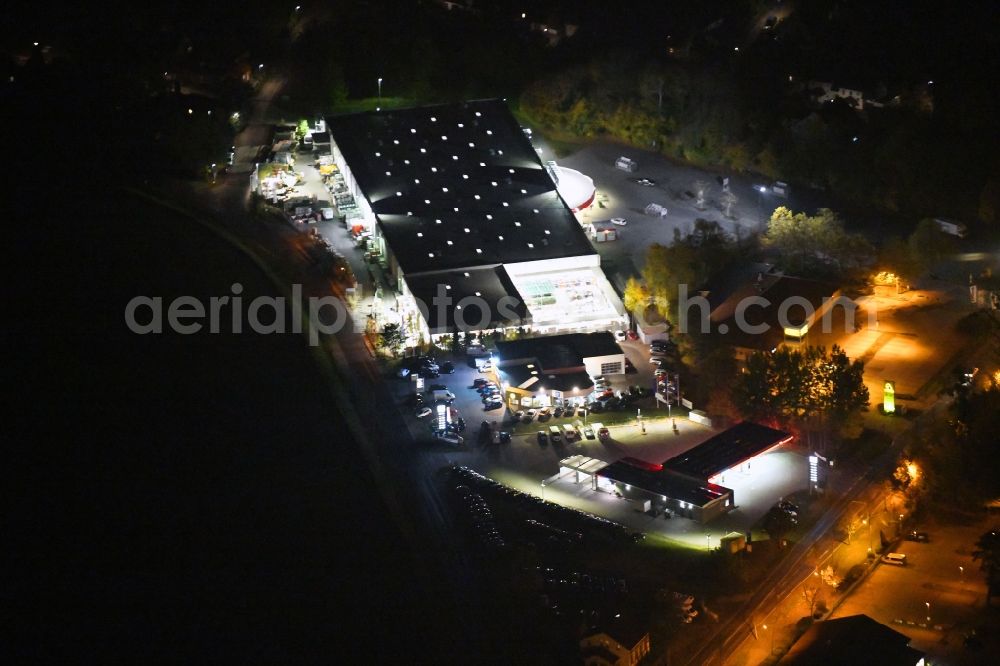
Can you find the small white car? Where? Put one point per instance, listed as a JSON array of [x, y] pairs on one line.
[[327, 213], [530, 414], [620, 221]]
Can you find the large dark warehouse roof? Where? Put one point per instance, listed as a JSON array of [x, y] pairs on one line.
[[559, 351], [456, 186], [726, 450], [467, 291]]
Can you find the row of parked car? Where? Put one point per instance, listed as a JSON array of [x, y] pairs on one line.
[[490, 392], [424, 366], [479, 517], [572, 520]]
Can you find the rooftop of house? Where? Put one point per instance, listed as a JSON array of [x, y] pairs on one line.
[[623, 628], [857, 640]]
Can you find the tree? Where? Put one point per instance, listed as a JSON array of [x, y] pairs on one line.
[[815, 242], [817, 390], [700, 190], [651, 84], [777, 523], [391, 338], [830, 577], [896, 257], [929, 245], [636, 296], [987, 553], [729, 199], [752, 389], [810, 595]]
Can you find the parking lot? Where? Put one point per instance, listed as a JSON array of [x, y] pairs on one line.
[[529, 466], [672, 186], [940, 573]]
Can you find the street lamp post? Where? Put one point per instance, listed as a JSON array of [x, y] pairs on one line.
[[708, 542], [380, 91], [771, 631], [928, 604]]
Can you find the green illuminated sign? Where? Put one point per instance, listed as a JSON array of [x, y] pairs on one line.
[[889, 397]]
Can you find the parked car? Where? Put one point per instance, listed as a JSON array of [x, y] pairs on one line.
[[437, 387], [403, 373], [518, 415], [479, 382], [544, 413], [898, 559], [504, 437], [447, 368], [543, 437], [493, 404], [423, 411], [645, 182], [619, 221], [604, 434], [588, 432], [914, 535], [326, 213], [557, 412]]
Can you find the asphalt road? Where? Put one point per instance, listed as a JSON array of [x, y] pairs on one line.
[[786, 577]]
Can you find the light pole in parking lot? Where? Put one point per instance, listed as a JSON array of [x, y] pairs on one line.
[[543, 491], [380, 91]]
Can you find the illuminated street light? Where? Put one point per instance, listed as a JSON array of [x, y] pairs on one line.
[[928, 604], [380, 91], [708, 542]]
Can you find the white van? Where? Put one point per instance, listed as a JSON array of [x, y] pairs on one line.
[[899, 559], [442, 396], [570, 433], [626, 164], [554, 434]]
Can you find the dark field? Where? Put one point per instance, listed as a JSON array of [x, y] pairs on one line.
[[183, 495]]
